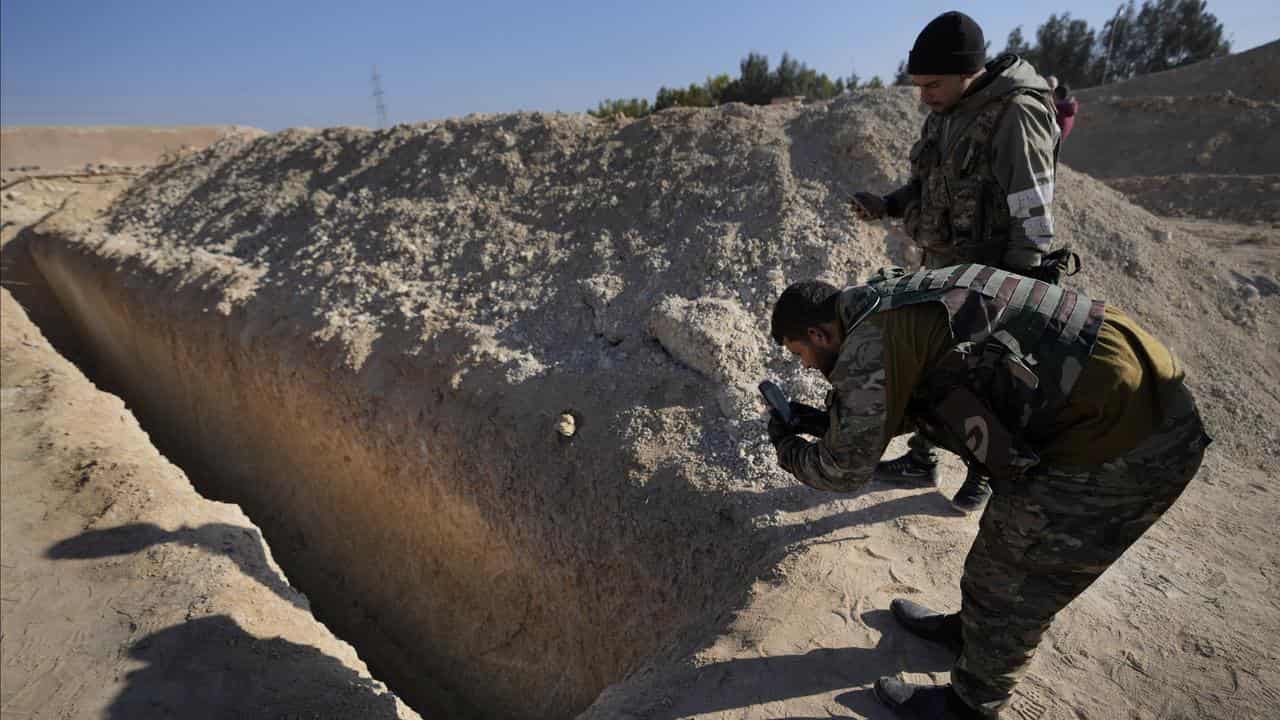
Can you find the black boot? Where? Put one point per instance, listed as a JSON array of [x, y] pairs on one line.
[[930, 625], [923, 702], [908, 469], [972, 495]]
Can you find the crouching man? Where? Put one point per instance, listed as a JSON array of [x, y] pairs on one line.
[[1078, 415]]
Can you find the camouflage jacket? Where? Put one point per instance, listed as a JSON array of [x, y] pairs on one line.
[[842, 460], [982, 174], [1044, 334]]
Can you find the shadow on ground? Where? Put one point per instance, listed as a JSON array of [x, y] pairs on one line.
[[211, 668], [754, 682], [243, 545]]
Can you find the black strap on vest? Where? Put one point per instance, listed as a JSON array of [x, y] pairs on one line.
[[955, 405]]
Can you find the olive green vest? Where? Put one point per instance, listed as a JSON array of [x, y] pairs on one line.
[[962, 215], [1019, 347]]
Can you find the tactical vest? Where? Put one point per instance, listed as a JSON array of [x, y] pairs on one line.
[[1019, 347], [962, 214]]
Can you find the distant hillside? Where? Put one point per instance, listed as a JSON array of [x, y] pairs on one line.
[[53, 148], [1252, 74], [1178, 144], [1163, 135]]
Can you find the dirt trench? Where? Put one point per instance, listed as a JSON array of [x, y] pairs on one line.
[[401, 513]]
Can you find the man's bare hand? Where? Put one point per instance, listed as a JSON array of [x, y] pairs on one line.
[[867, 206]]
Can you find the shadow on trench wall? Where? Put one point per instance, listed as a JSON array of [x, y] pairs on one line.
[[211, 668], [20, 276], [330, 603]]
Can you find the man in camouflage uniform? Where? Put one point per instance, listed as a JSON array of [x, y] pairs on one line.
[[1080, 417], [981, 183]]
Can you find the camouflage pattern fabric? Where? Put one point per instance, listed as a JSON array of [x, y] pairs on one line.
[[1046, 537], [1058, 325], [956, 209], [843, 460], [983, 174], [956, 219]]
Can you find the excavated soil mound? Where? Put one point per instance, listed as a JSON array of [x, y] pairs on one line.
[[372, 339]]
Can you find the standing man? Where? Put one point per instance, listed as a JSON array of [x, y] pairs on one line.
[[981, 182], [1078, 415], [1067, 108]]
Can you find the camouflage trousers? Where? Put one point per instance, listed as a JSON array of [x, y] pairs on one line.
[[1046, 537]]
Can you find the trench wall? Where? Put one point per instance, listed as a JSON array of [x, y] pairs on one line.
[[476, 559]]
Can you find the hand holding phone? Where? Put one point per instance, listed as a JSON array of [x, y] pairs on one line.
[[868, 206]]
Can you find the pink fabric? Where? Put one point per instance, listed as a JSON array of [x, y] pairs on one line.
[[1067, 115]]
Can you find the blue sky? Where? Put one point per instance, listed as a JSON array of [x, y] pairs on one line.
[[276, 64]]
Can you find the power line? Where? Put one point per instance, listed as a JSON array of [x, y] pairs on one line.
[[378, 100]]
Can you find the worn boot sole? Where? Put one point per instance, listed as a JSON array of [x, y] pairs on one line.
[[926, 624]]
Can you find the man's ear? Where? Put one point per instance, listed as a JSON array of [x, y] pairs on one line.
[[818, 336]]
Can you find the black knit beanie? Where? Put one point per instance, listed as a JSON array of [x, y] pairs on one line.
[[951, 44]]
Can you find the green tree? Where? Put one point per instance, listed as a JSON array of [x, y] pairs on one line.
[[1158, 35], [693, 96], [1118, 46], [754, 84], [1016, 45], [1197, 35], [757, 85], [875, 82], [902, 77], [716, 86], [789, 78], [1064, 48], [853, 81], [1161, 35], [631, 107]]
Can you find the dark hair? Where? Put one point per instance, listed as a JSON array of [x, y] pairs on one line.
[[1061, 91], [801, 306]]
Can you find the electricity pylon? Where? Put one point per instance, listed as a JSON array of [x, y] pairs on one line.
[[377, 99]]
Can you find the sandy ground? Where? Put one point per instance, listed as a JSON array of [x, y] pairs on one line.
[[1184, 626]]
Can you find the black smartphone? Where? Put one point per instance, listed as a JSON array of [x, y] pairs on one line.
[[777, 401]]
